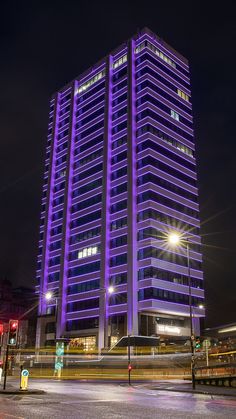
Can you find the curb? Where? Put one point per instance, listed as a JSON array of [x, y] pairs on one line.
[[193, 391], [22, 392]]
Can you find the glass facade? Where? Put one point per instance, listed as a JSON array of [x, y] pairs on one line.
[[120, 173]]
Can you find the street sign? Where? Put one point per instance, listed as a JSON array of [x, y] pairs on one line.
[[24, 379], [206, 344]]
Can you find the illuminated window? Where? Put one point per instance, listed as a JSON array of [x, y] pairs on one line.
[[121, 60], [183, 95], [156, 51], [90, 82], [88, 251], [174, 115]]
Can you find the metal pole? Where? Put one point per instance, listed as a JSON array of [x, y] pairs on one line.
[[191, 318], [56, 314], [129, 364], [5, 369]]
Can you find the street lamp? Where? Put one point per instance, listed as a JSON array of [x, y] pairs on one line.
[[49, 296], [105, 293], [175, 239]]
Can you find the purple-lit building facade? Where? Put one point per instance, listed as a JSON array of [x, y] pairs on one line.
[[120, 175]]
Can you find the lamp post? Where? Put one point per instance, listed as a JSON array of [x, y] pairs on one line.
[[174, 239], [107, 292], [49, 296]]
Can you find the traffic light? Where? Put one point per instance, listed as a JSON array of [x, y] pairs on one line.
[[1, 334], [12, 332], [197, 343]]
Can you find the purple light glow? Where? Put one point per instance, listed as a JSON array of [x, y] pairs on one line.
[[99, 97]]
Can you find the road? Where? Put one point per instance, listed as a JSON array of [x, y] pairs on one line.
[[84, 400]]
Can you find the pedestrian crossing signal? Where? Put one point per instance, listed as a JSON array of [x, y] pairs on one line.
[[197, 342]]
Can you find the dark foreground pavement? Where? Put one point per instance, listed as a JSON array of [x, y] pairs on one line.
[[87, 400]]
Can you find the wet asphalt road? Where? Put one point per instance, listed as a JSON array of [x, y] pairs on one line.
[[83, 400]]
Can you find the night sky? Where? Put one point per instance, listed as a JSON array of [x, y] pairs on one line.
[[45, 45]]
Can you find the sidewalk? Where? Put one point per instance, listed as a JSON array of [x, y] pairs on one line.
[[184, 386]]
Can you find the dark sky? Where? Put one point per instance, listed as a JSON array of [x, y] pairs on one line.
[[45, 45]]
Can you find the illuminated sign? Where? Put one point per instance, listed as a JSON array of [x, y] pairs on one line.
[[168, 329]]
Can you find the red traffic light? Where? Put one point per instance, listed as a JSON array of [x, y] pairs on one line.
[[129, 367], [12, 332], [1, 329], [13, 324]]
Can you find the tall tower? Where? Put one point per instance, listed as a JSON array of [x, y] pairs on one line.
[[120, 175]]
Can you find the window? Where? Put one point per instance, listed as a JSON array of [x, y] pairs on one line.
[[120, 61], [174, 115], [85, 120], [118, 279], [94, 232], [119, 142], [84, 269], [85, 219], [156, 51], [119, 206], [153, 252], [159, 104], [83, 287], [86, 203], [119, 189], [54, 277], [183, 95], [54, 261], [92, 171], [55, 245], [157, 180], [119, 157], [119, 74], [119, 127], [59, 187], [160, 294], [169, 140], [119, 113], [86, 188], [158, 118], [83, 305], [90, 82], [85, 252], [88, 144], [149, 160], [119, 241], [157, 273], [167, 219], [56, 230], [58, 201], [118, 260], [170, 203], [120, 223], [162, 92], [88, 158], [116, 299], [119, 173]]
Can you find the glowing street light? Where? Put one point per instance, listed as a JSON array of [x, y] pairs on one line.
[[48, 295], [174, 239], [110, 290], [201, 306]]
